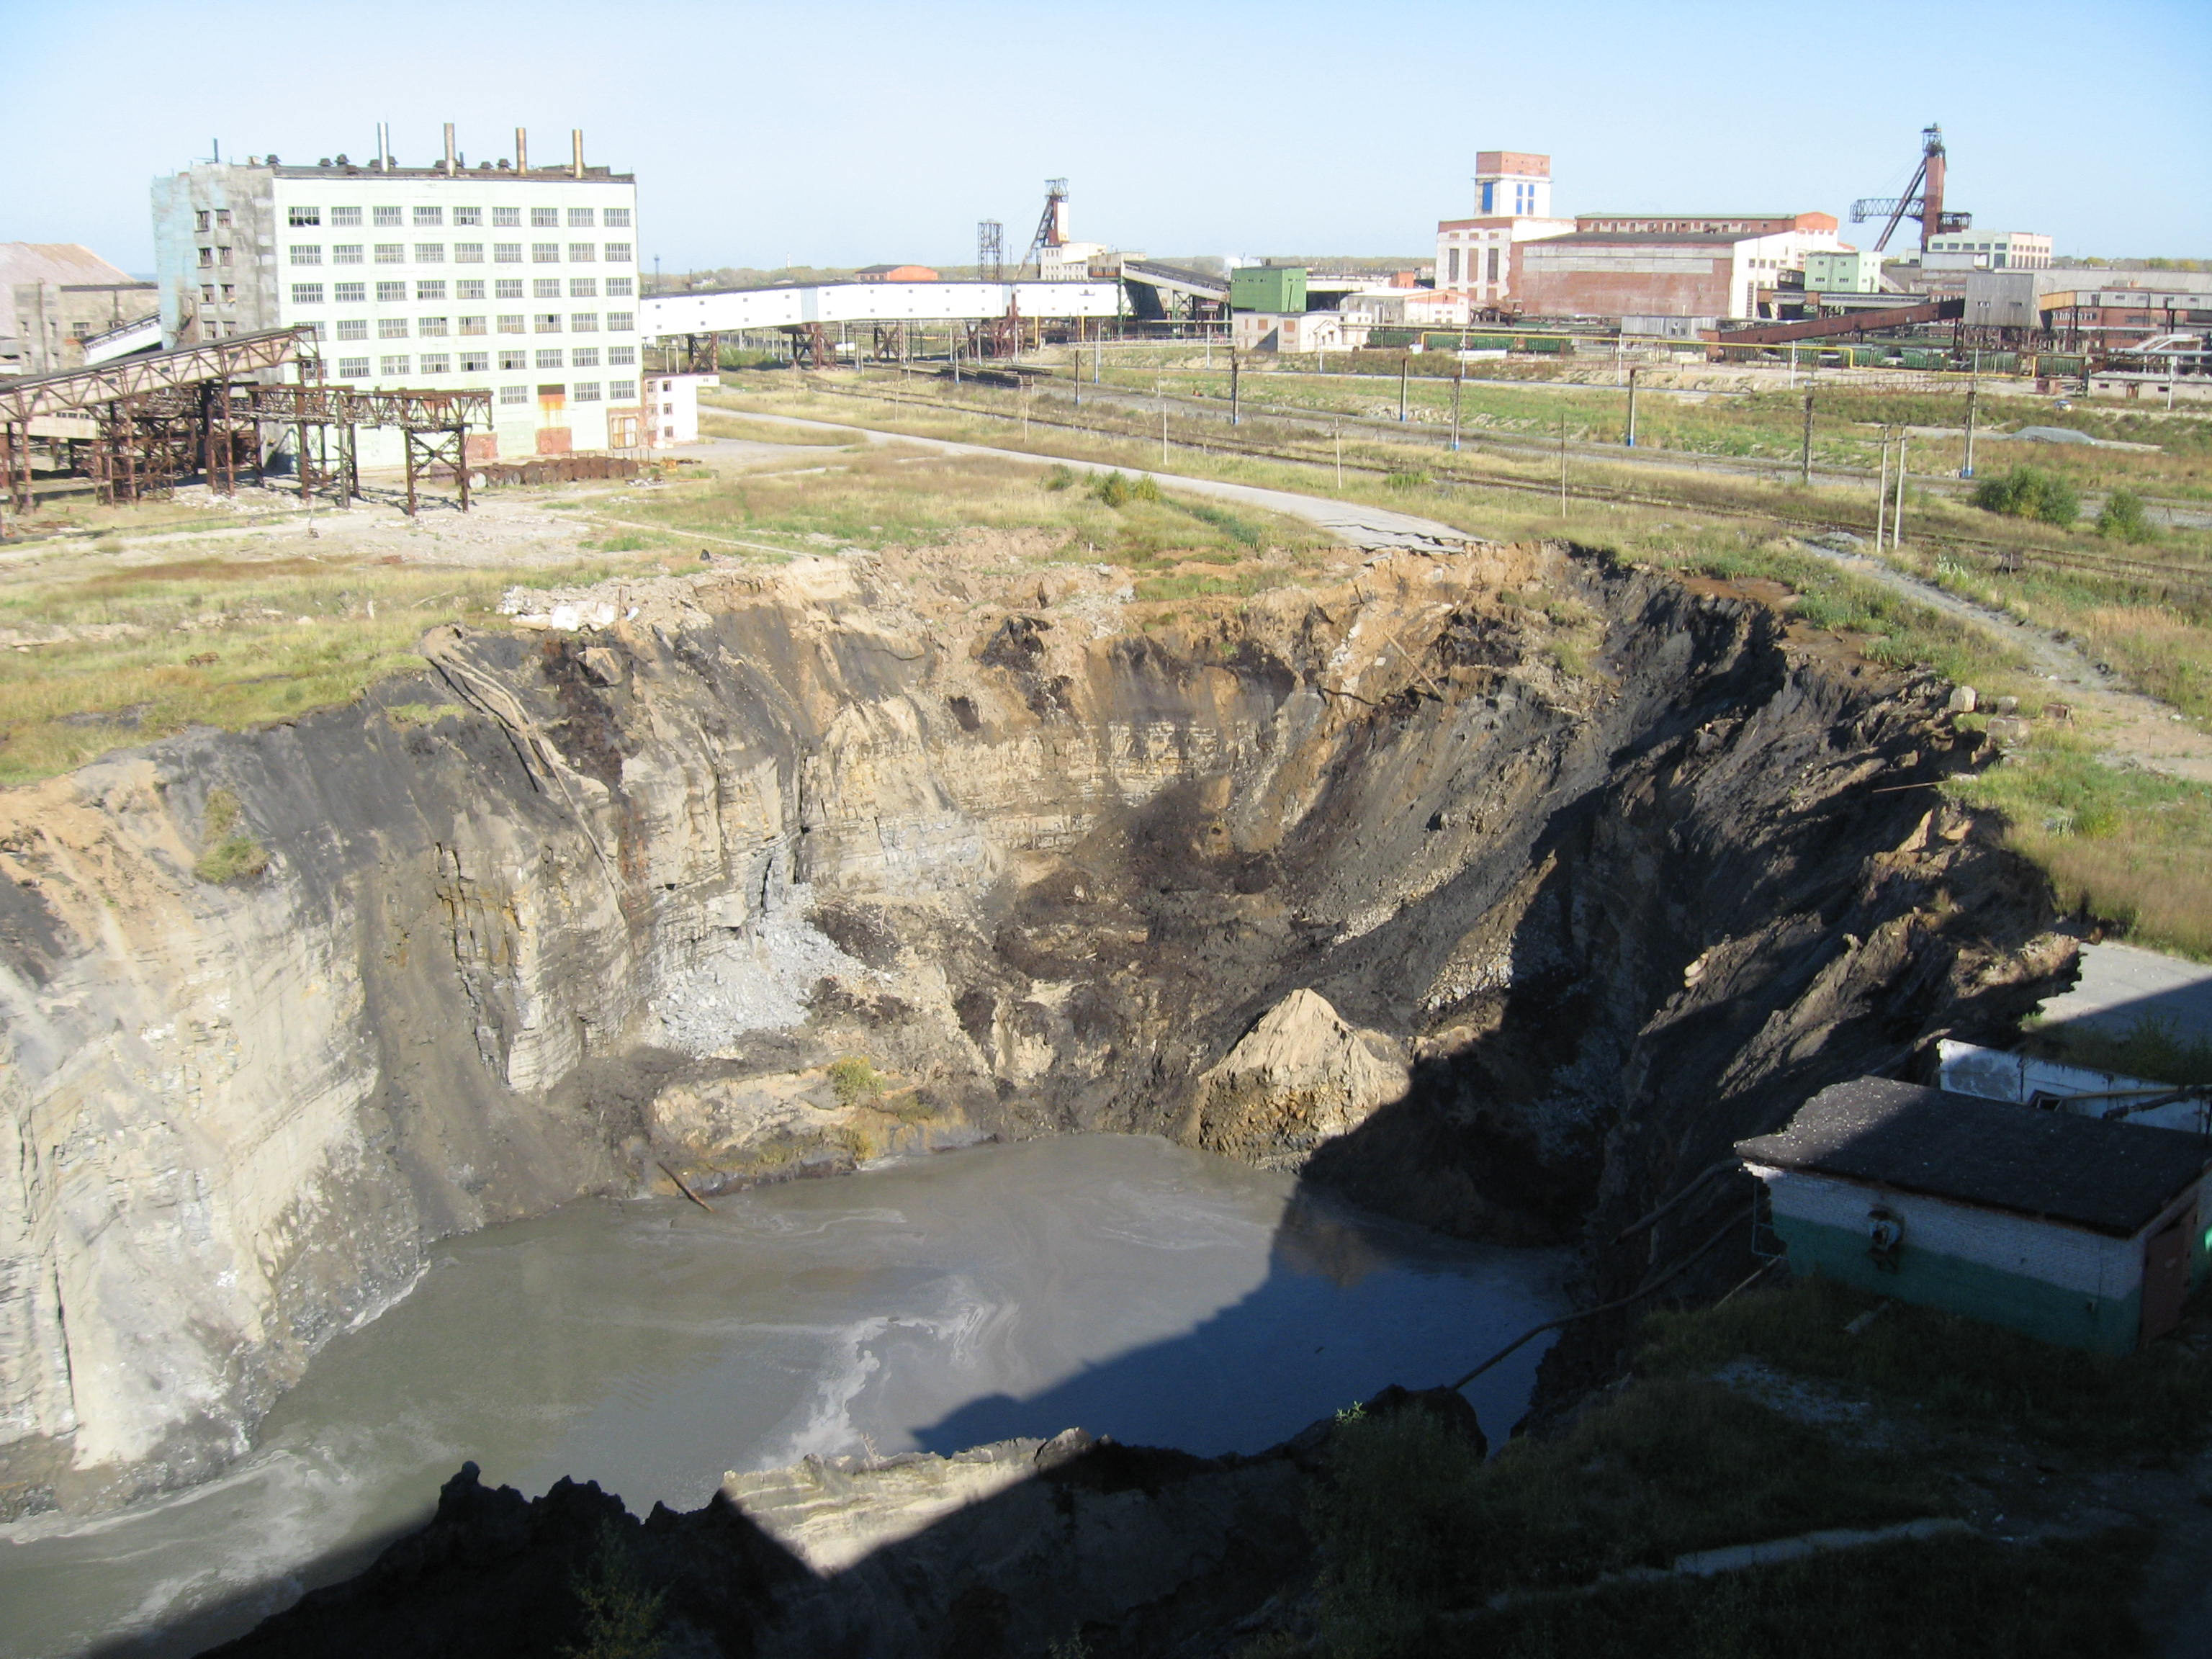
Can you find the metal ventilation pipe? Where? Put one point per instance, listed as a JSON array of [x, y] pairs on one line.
[[522, 149], [576, 143], [449, 150]]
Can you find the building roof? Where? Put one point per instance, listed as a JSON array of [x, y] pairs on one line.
[[1507, 219], [2111, 1178], [67, 264], [558, 174], [1644, 239], [1789, 220]]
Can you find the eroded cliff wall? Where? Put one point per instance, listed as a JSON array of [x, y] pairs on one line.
[[735, 875]]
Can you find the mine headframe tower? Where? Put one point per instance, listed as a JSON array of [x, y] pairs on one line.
[[1052, 228], [1923, 198]]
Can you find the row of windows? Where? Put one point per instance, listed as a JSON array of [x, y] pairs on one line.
[[542, 218], [469, 287], [434, 364], [464, 253], [436, 328], [543, 322]]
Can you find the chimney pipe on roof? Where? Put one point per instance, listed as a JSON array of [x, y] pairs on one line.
[[576, 140], [522, 149], [449, 150]]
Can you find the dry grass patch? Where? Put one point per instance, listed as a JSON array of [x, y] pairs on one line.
[[718, 425], [104, 658], [2126, 845], [898, 496]]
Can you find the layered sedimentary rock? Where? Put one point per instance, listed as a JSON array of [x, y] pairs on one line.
[[745, 875]]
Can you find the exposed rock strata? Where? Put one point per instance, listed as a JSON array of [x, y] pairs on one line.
[[1620, 873]]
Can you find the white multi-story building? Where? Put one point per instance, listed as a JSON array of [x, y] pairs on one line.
[[1988, 250], [519, 280]]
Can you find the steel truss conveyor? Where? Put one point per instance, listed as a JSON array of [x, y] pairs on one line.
[[208, 409]]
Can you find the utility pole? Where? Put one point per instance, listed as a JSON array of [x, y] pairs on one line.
[[1968, 470], [1563, 463], [1897, 516], [1881, 497], [1159, 391], [1405, 366], [1458, 380], [1236, 409], [1340, 457], [1805, 454], [1631, 408]]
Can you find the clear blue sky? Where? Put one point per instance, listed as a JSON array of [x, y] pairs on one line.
[[841, 133]]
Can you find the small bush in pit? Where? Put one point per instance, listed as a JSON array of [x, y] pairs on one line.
[[622, 1617], [856, 1080], [2123, 519], [2029, 492], [1060, 477], [228, 857]]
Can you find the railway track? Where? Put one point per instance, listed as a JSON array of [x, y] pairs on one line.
[[2191, 584]]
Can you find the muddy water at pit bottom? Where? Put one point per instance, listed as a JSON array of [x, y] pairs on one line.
[[1136, 1288]]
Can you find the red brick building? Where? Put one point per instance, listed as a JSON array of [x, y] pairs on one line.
[[1719, 265]]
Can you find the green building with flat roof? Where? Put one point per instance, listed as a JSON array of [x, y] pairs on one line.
[[1829, 271], [1267, 288]]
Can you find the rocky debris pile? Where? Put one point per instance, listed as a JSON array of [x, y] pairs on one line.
[[760, 977], [1299, 1077]]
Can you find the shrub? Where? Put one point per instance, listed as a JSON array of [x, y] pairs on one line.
[[1118, 490], [2029, 492], [856, 1080], [1407, 479], [1058, 477], [2124, 518], [622, 1616], [228, 856]]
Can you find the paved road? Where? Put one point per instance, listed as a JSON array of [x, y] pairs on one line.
[[2122, 985], [1372, 529]]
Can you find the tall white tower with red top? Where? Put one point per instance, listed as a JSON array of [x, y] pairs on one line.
[[1509, 184], [1512, 204]]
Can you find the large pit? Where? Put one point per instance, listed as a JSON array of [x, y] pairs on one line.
[[1494, 891]]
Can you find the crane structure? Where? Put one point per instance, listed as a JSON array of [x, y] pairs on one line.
[[1923, 198]]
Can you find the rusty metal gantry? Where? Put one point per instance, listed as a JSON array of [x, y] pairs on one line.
[[433, 424], [155, 418], [160, 417]]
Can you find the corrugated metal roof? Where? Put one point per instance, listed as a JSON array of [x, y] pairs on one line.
[[2111, 1178]]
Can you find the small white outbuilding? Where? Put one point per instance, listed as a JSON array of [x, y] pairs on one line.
[[2072, 1229]]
